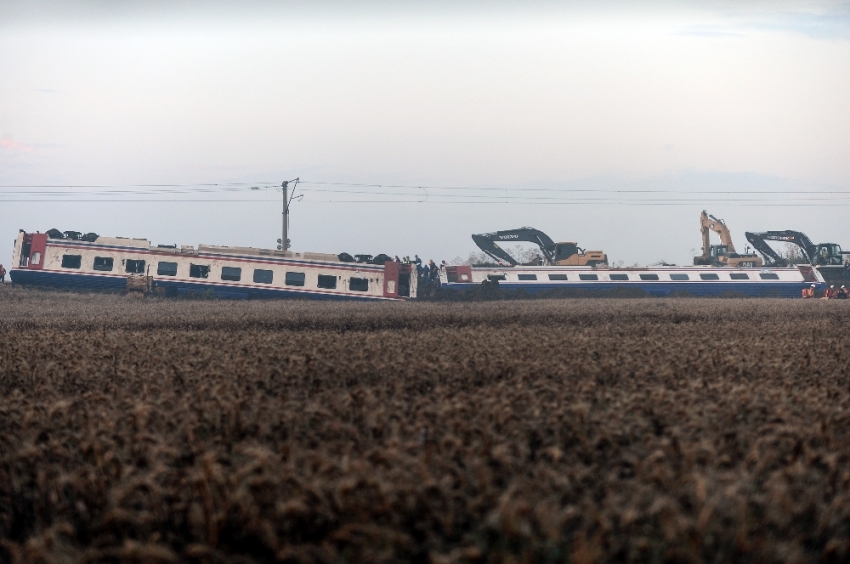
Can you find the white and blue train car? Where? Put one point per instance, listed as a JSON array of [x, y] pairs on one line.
[[661, 281], [114, 263]]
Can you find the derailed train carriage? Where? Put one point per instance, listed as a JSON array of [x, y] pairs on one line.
[[659, 281], [76, 261]]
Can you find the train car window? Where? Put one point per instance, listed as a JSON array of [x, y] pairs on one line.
[[327, 282], [709, 276], [648, 276], [294, 279], [134, 267], [199, 271], [566, 250], [166, 269], [358, 284], [263, 276], [679, 277], [557, 277], [618, 276], [492, 277], [103, 264], [71, 261], [234, 274], [588, 277], [527, 276], [769, 276], [739, 276]]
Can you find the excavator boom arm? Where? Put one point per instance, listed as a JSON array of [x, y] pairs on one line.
[[487, 242], [758, 242], [795, 237], [717, 225]]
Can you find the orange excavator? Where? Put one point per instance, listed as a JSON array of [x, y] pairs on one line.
[[723, 254]]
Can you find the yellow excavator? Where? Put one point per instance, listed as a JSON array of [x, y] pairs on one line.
[[723, 254]]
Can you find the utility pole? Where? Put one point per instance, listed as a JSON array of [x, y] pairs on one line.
[[283, 242]]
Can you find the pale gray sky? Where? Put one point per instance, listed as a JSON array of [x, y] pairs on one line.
[[651, 103]]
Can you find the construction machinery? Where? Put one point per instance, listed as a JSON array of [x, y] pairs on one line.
[[824, 254], [827, 258], [723, 254], [554, 254]]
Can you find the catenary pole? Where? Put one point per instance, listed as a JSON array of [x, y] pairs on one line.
[[287, 200], [284, 239]]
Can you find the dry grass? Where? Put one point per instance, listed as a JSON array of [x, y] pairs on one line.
[[537, 431]]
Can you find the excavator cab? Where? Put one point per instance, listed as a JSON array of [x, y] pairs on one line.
[[563, 251], [829, 254], [718, 251]]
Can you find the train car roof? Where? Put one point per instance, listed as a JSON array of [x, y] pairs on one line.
[[138, 243]]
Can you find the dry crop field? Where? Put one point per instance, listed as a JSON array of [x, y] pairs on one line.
[[644, 430]]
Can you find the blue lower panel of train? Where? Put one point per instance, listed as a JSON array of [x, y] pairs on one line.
[[68, 281], [119, 283], [175, 287], [700, 289]]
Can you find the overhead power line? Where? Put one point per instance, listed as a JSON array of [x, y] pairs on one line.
[[562, 189], [742, 203], [265, 185], [353, 193]]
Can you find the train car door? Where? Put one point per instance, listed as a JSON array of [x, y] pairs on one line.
[[32, 251], [396, 280], [404, 271], [391, 279]]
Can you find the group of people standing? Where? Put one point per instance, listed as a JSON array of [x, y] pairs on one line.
[[424, 272]]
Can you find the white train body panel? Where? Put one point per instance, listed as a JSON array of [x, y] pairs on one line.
[[660, 281], [240, 272]]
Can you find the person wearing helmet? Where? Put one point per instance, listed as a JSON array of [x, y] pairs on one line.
[[843, 292]]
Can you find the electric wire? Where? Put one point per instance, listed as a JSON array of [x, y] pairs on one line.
[[366, 193], [241, 186], [486, 202], [553, 189]]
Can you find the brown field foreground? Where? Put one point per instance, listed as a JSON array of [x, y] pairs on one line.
[[643, 430]]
